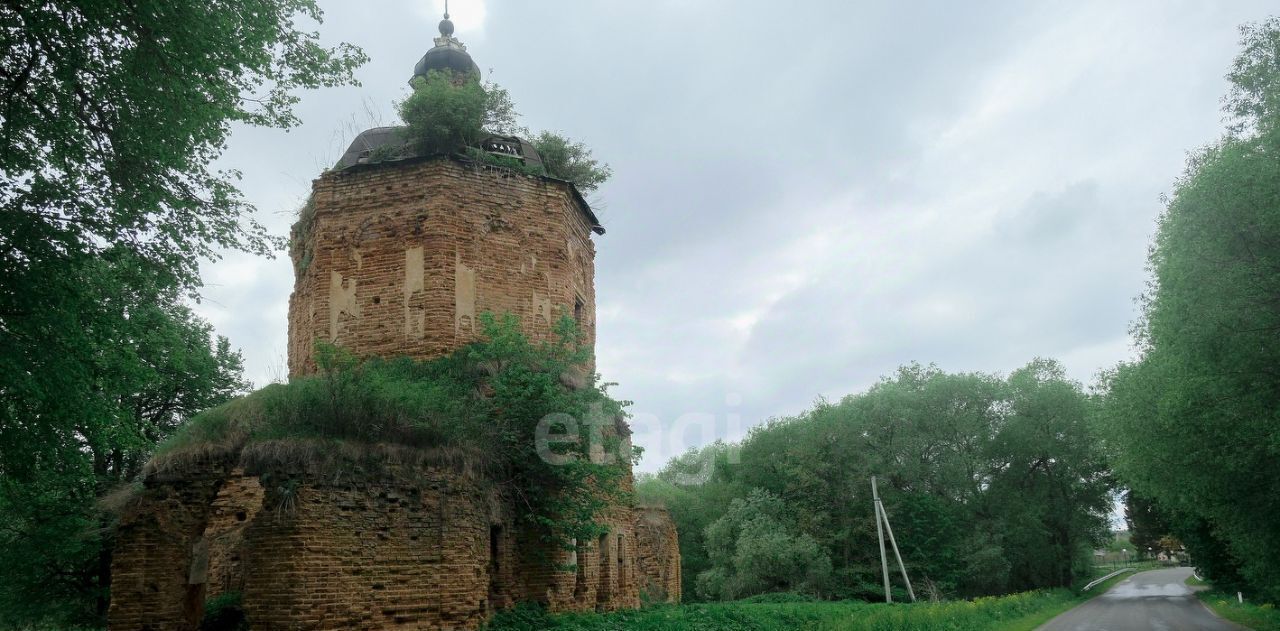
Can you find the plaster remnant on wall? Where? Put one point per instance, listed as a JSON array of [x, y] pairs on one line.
[[541, 309], [415, 317], [199, 572], [464, 296], [342, 300]]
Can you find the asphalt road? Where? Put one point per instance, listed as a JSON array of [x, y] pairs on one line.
[[1159, 600]]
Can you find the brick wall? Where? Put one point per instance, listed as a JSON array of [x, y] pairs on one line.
[[153, 586], [403, 256], [357, 547], [659, 555], [374, 553], [220, 552]]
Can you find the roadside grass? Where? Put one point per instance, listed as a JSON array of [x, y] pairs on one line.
[[1259, 617], [702, 617], [1015, 612], [1037, 618]]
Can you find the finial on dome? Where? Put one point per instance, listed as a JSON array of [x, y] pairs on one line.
[[446, 25]]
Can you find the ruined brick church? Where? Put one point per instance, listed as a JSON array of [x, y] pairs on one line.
[[401, 255]]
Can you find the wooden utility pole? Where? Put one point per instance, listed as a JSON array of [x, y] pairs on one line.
[[882, 525]]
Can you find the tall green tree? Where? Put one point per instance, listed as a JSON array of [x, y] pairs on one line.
[[111, 115], [152, 364], [1146, 523], [114, 110], [1194, 424], [754, 549]]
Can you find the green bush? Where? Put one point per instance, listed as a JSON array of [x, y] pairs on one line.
[[779, 597], [522, 617], [445, 113], [448, 114], [754, 550], [485, 401], [993, 485], [572, 161]]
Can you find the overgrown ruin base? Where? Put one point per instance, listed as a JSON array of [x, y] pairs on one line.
[[392, 541]]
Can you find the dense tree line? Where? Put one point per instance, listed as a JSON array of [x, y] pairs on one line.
[[992, 484], [1193, 426]]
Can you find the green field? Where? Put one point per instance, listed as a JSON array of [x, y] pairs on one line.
[[1016, 612]]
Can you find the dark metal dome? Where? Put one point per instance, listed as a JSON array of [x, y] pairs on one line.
[[389, 144], [449, 54], [445, 58]]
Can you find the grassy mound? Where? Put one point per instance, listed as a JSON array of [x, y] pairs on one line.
[[483, 406], [402, 402]]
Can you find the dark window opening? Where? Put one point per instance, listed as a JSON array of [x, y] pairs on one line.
[[604, 590], [578, 307], [495, 539], [495, 564]]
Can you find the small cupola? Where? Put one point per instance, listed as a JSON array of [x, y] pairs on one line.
[[447, 54]]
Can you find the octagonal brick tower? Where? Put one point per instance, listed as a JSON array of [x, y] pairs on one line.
[[398, 253]]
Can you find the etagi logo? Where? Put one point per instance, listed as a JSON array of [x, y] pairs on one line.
[[695, 437]]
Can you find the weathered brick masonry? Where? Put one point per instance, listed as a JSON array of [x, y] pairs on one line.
[[400, 258], [659, 549], [363, 545]]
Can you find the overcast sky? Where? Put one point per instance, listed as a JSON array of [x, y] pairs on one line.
[[806, 195]]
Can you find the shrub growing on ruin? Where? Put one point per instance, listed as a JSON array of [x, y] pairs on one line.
[[572, 161], [451, 114], [485, 400], [444, 113]]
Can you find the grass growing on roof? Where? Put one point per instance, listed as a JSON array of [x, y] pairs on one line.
[[483, 403]]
